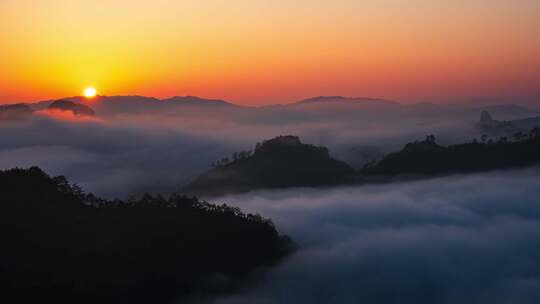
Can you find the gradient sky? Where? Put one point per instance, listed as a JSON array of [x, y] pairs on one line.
[[260, 52]]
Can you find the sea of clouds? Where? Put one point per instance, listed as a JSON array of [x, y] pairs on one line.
[[459, 239], [110, 158], [132, 154]]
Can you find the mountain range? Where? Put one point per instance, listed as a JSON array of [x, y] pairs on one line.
[[285, 161], [321, 108], [494, 127]]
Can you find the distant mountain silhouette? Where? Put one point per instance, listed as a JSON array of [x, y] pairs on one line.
[[508, 111], [323, 99], [362, 155], [197, 101], [75, 108], [341, 99], [485, 118], [527, 123], [280, 162], [15, 112], [357, 112], [494, 127], [140, 105], [61, 245]]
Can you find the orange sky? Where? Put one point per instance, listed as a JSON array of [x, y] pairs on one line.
[[260, 52]]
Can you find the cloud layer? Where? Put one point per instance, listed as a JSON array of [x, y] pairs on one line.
[[130, 153], [110, 158], [137, 144], [461, 239]]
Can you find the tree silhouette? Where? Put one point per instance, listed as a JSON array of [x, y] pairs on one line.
[[429, 158], [63, 245], [283, 161]]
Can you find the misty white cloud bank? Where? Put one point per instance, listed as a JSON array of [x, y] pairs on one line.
[[460, 239], [135, 145], [110, 158], [158, 152]]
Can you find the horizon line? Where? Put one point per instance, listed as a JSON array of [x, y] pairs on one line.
[[456, 100]]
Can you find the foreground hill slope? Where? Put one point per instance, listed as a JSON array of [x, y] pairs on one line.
[[141, 105], [276, 163], [62, 245]]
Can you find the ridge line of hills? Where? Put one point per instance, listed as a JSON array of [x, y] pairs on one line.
[[190, 99], [311, 109], [285, 162], [323, 99]]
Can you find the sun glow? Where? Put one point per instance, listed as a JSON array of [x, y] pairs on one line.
[[351, 48], [90, 92]]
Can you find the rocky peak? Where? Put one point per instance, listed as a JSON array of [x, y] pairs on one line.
[[485, 117]]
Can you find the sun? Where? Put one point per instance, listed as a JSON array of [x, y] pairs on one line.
[[90, 92]]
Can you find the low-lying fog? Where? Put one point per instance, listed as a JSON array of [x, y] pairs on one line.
[[460, 239], [155, 150]]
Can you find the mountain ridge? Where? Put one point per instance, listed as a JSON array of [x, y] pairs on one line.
[[280, 162], [337, 99], [285, 162]]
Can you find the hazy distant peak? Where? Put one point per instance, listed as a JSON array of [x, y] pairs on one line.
[[15, 107], [15, 112], [329, 99], [485, 117], [195, 100], [508, 108], [112, 99], [324, 98], [75, 108], [126, 98]]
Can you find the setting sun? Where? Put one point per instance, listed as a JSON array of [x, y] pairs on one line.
[[90, 92]]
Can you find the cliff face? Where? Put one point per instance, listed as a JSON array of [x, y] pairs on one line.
[[277, 163]]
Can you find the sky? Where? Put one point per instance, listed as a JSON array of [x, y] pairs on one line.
[[262, 52]]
